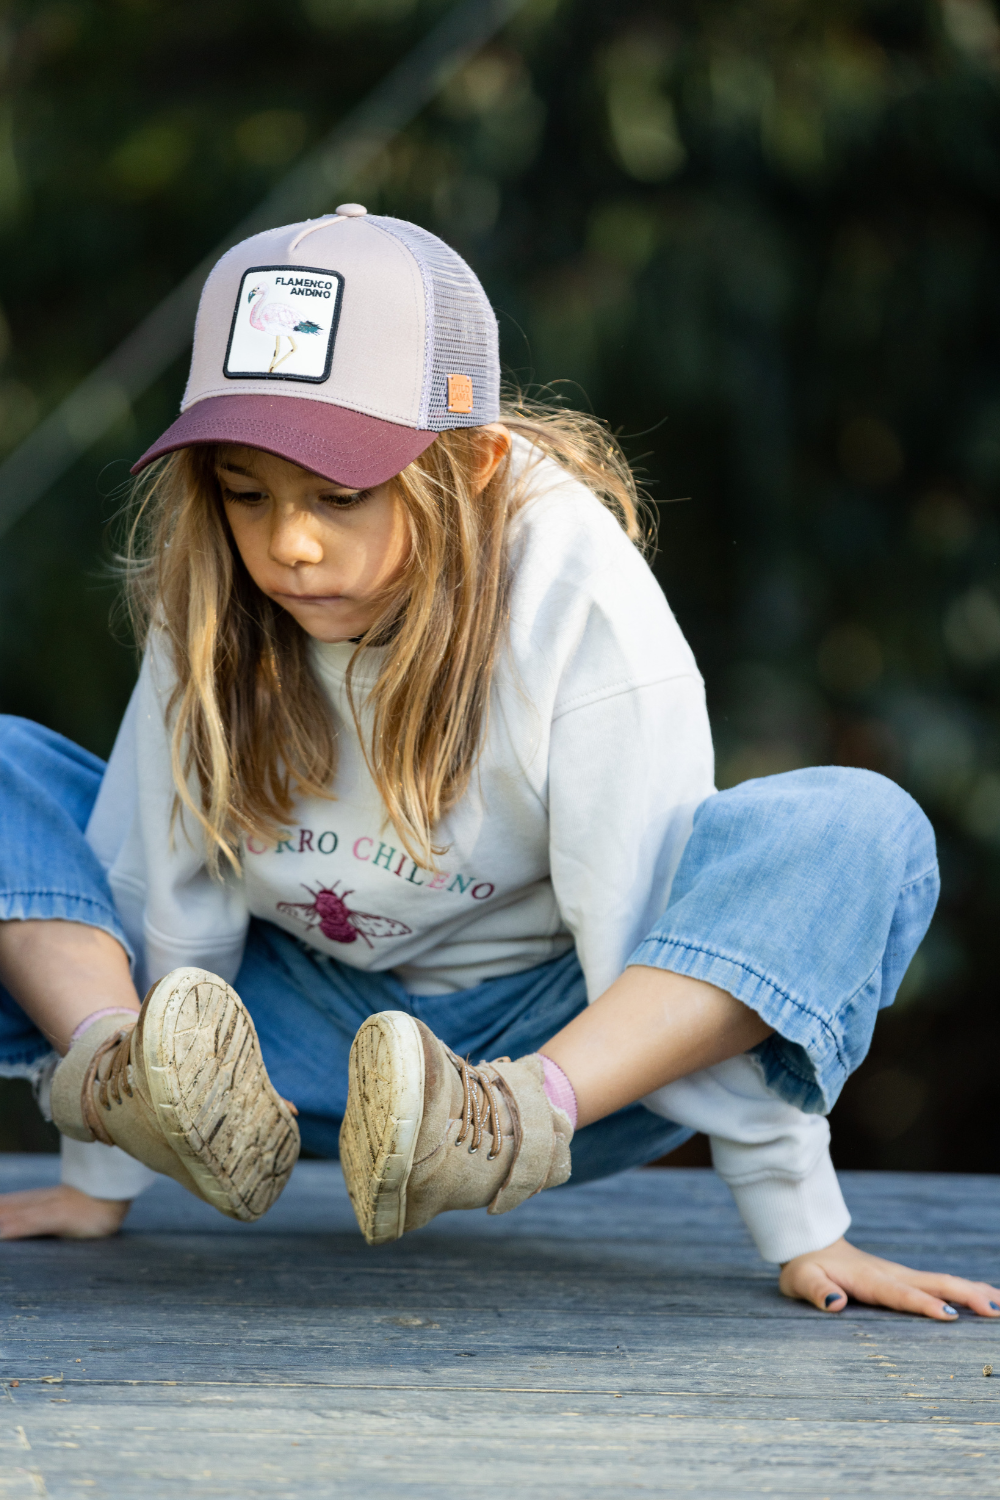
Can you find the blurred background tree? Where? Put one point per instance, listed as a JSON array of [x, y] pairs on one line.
[[759, 236]]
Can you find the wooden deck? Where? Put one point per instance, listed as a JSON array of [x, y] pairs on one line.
[[603, 1340]]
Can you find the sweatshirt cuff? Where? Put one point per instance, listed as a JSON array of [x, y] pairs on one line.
[[102, 1171], [789, 1216]]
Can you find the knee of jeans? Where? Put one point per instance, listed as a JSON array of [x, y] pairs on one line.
[[852, 783], [890, 812], [13, 732], [16, 731], [883, 800]]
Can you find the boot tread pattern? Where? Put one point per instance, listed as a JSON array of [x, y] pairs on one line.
[[202, 1056], [382, 1121]]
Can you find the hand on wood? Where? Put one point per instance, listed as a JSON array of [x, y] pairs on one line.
[[62, 1211], [827, 1278]]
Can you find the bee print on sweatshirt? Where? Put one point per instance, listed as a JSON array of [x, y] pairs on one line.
[[336, 920]]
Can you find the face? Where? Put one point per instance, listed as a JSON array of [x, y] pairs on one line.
[[323, 552]]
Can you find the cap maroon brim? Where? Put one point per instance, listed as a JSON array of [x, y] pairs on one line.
[[343, 446]]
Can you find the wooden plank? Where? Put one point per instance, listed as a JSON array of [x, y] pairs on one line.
[[617, 1336]]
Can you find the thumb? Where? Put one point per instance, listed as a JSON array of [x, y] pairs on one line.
[[807, 1281]]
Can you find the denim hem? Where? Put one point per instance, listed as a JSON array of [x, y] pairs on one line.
[[931, 873], [27, 1061], [63, 906], [803, 1063]]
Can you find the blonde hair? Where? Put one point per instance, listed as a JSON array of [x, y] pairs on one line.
[[251, 728]]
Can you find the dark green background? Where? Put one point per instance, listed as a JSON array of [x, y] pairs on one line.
[[760, 238]]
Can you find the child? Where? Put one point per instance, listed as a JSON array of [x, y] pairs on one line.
[[418, 756]]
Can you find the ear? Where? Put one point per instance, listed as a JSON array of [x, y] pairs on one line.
[[494, 445]]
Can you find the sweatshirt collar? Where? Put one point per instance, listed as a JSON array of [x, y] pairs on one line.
[[332, 658]]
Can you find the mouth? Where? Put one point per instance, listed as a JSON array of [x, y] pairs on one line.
[[313, 598]]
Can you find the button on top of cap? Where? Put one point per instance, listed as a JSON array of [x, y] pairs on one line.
[[351, 210]]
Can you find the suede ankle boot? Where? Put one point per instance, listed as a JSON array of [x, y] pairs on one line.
[[185, 1091], [425, 1132]]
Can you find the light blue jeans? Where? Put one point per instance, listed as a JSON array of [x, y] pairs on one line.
[[804, 895]]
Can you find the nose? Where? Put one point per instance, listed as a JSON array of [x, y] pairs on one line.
[[293, 537]]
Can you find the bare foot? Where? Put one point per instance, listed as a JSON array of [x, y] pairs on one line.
[[62, 1211], [828, 1277]]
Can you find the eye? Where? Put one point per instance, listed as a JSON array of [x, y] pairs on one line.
[[346, 502], [241, 497]]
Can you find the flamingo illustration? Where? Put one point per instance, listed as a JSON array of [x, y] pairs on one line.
[[281, 320]]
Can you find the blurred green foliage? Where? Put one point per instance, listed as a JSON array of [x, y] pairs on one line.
[[759, 236]]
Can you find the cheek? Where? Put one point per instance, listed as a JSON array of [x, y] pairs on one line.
[[250, 540], [392, 544]]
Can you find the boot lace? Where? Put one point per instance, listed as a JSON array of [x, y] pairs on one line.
[[116, 1081], [481, 1109]]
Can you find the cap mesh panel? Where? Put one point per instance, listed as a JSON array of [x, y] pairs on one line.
[[461, 330]]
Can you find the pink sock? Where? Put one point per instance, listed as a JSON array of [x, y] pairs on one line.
[[88, 1021], [558, 1088]]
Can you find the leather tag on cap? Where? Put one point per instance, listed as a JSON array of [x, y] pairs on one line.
[[459, 393]]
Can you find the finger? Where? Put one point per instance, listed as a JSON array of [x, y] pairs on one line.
[[924, 1304], [889, 1291], [978, 1296], [810, 1283], [62, 1211], [24, 1224], [953, 1291], [20, 1212], [26, 1195]]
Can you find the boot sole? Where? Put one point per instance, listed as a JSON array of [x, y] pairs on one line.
[[385, 1106], [213, 1099]]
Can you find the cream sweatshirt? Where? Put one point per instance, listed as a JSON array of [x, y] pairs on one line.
[[596, 755]]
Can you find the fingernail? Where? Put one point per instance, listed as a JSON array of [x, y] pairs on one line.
[[994, 1307], [833, 1297], [947, 1308]]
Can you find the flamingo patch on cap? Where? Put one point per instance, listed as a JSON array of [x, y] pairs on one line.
[[284, 324]]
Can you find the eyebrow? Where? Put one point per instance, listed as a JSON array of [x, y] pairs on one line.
[[249, 474]]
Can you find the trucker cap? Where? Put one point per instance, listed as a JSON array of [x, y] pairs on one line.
[[344, 344]]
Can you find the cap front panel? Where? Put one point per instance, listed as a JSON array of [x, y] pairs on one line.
[[378, 364], [372, 351], [284, 324]]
